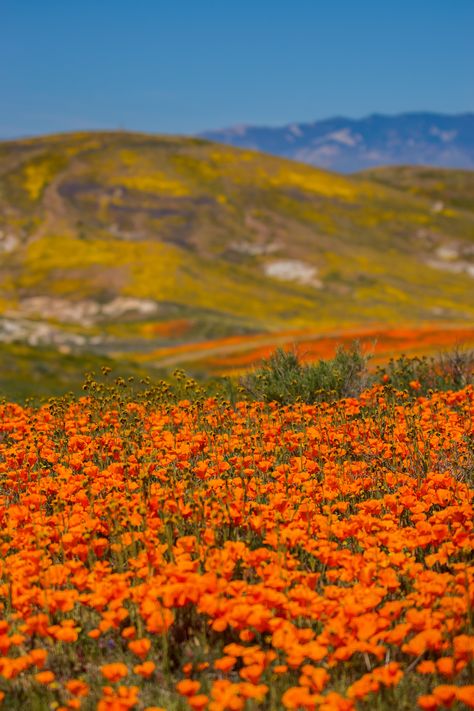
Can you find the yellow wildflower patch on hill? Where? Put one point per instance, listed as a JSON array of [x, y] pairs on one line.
[[37, 174], [156, 182], [323, 184]]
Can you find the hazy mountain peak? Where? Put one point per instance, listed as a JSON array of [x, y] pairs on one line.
[[348, 145]]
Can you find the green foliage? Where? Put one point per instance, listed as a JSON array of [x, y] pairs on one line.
[[28, 372], [454, 188], [40, 372], [284, 379], [447, 371]]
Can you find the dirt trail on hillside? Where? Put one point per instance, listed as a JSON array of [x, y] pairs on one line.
[[230, 348], [55, 209]]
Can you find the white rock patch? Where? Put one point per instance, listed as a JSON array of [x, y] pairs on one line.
[[8, 242], [293, 270], [126, 305], [253, 249], [456, 267], [86, 312], [447, 254]]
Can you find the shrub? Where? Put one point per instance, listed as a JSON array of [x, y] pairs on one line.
[[284, 379], [447, 371]]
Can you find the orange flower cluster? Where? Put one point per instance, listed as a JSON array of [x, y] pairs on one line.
[[209, 556]]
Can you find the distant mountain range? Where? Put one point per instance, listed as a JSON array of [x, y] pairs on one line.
[[349, 145]]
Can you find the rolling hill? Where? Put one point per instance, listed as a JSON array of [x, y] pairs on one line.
[[125, 245], [349, 145]]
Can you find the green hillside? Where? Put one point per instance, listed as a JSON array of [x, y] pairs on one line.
[[455, 188], [117, 243]]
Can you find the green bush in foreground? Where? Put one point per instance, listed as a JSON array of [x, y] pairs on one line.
[[283, 378], [447, 371]]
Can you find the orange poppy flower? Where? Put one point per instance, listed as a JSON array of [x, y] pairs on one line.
[[114, 672], [45, 677], [76, 687], [298, 697], [38, 657], [445, 694], [140, 647], [252, 673], [445, 666], [188, 687], [145, 669], [465, 694], [225, 664], [428, 702]]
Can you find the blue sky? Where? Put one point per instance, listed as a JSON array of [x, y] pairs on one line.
[[182, 66]]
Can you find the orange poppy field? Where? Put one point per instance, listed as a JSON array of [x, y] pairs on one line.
[[201, 555]]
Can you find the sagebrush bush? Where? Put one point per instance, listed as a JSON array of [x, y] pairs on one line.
[[452, 370], [284, 379]]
